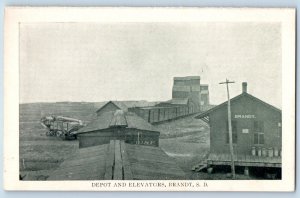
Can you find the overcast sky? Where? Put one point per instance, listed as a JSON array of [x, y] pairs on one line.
[[137, 61]]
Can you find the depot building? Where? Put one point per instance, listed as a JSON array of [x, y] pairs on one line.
[[256, 132]]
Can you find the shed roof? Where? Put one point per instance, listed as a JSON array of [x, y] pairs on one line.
[[120, 161], [119, 104], [233, 100], [157, 106], [117, 118], [178, 101]]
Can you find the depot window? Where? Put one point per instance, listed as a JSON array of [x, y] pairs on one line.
[[258, 131]]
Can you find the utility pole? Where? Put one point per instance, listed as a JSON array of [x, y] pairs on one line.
[[230, 129]]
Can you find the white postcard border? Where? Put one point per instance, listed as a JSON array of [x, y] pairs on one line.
[[16, 15]]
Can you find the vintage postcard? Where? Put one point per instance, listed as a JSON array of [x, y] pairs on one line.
[[149, 99]]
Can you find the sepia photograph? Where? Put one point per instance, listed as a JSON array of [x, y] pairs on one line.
[[189, 102]]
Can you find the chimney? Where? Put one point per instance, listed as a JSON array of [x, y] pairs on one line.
[[244, 87]]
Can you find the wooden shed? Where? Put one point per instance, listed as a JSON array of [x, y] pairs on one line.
[[256, 131], [118, 160], [111, 106], [187, 103], [118, 125]]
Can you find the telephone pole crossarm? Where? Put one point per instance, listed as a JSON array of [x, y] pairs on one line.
[[226, 82]]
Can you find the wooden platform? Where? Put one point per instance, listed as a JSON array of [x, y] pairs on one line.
[[244, 160], [118, 161]]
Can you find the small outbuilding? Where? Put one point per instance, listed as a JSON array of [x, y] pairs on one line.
[[256, 132], [111, 106], [191, 107], [118, 125], [118, 145]]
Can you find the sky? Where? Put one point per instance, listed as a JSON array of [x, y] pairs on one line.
[[96, 62]]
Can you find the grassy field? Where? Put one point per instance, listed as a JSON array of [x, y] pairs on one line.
[[40, 154]]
